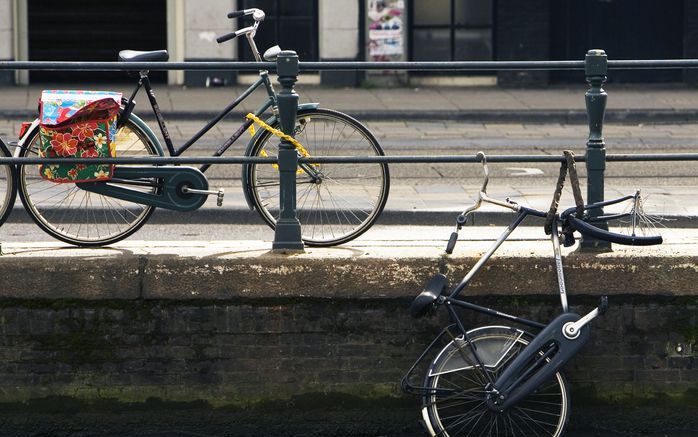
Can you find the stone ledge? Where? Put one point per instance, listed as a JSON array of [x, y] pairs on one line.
[[365, 270]]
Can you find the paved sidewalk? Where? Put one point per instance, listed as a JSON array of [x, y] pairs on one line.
[[630, 103]]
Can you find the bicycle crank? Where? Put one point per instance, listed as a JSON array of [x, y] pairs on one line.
[[170, 187]]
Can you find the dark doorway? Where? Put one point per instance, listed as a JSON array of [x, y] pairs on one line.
[[84, 30], [625, 29], [293, 25]]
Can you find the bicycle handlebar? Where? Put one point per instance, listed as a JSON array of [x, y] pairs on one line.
[[613, 237], [226, 37], [257, 14]]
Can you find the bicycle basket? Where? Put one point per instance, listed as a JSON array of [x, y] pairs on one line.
[[78, 124]]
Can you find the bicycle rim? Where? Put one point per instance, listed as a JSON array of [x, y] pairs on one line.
[[457, 406], [7, 187], [79, 217], [335, 203]]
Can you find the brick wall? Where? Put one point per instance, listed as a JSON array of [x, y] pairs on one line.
[[238, 354]]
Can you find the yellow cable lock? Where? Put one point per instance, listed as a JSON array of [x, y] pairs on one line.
[[299, 147]]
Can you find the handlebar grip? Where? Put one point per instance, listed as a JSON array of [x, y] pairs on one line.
[[227, 37], [236, 14], [451, 242], [630, 240]]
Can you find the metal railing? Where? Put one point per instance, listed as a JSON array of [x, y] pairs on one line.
[[288, 233]]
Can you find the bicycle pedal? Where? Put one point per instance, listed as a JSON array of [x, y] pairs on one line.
[[219, 193]]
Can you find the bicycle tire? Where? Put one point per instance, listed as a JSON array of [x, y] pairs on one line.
[[79, 217], [545, 412], [347, 198], [8, 185], [613, 237]]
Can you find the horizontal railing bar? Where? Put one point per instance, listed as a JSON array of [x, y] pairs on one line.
[[630, 157], [134, 66], [652, 63], [492, 158], [457, 65], [347, 65], [145, 160], [411, 159], [425, 159], [303, 66]]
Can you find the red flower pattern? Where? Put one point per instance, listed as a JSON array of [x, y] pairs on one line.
[[84, 130], [90, 153], [64, 144]]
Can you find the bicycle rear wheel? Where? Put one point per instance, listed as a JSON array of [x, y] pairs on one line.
[[80, 217], [455, 405], [8, 185], [335, 202]]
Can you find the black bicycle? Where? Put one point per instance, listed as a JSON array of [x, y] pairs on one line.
[[501, 380], [335, 203]]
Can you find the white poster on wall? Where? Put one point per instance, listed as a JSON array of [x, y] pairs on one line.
[[385, 29]]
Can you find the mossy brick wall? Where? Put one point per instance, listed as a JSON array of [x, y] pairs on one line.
[[240, 353]]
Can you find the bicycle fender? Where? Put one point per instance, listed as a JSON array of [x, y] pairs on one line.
[[149, 132], [20, 143], [245, 179]]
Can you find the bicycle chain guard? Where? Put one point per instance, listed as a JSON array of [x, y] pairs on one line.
[[170, 195], [520, 379]]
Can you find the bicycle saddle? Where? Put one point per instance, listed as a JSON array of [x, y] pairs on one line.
[[424, 302], [138, 56], [272, 53]]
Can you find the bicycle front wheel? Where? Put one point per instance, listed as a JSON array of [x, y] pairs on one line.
[[80, 217], [335, 202], [456, 406], [8, 185]]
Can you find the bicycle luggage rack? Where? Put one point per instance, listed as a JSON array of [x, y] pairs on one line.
[[287, 233]]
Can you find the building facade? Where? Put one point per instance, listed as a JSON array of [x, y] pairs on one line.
[[418, 30]]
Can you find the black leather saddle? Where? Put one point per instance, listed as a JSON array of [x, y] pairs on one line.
[[137, 56]]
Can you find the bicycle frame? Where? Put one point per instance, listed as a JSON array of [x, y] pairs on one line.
[[541, 359], [144, 82]]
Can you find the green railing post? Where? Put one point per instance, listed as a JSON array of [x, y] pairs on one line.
[[287, 235], [595, 69]]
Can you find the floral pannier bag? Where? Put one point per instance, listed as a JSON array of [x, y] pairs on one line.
[[78, 124]]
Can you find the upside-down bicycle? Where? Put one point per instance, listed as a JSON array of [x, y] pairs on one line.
[[335, 202], [502, 380]]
